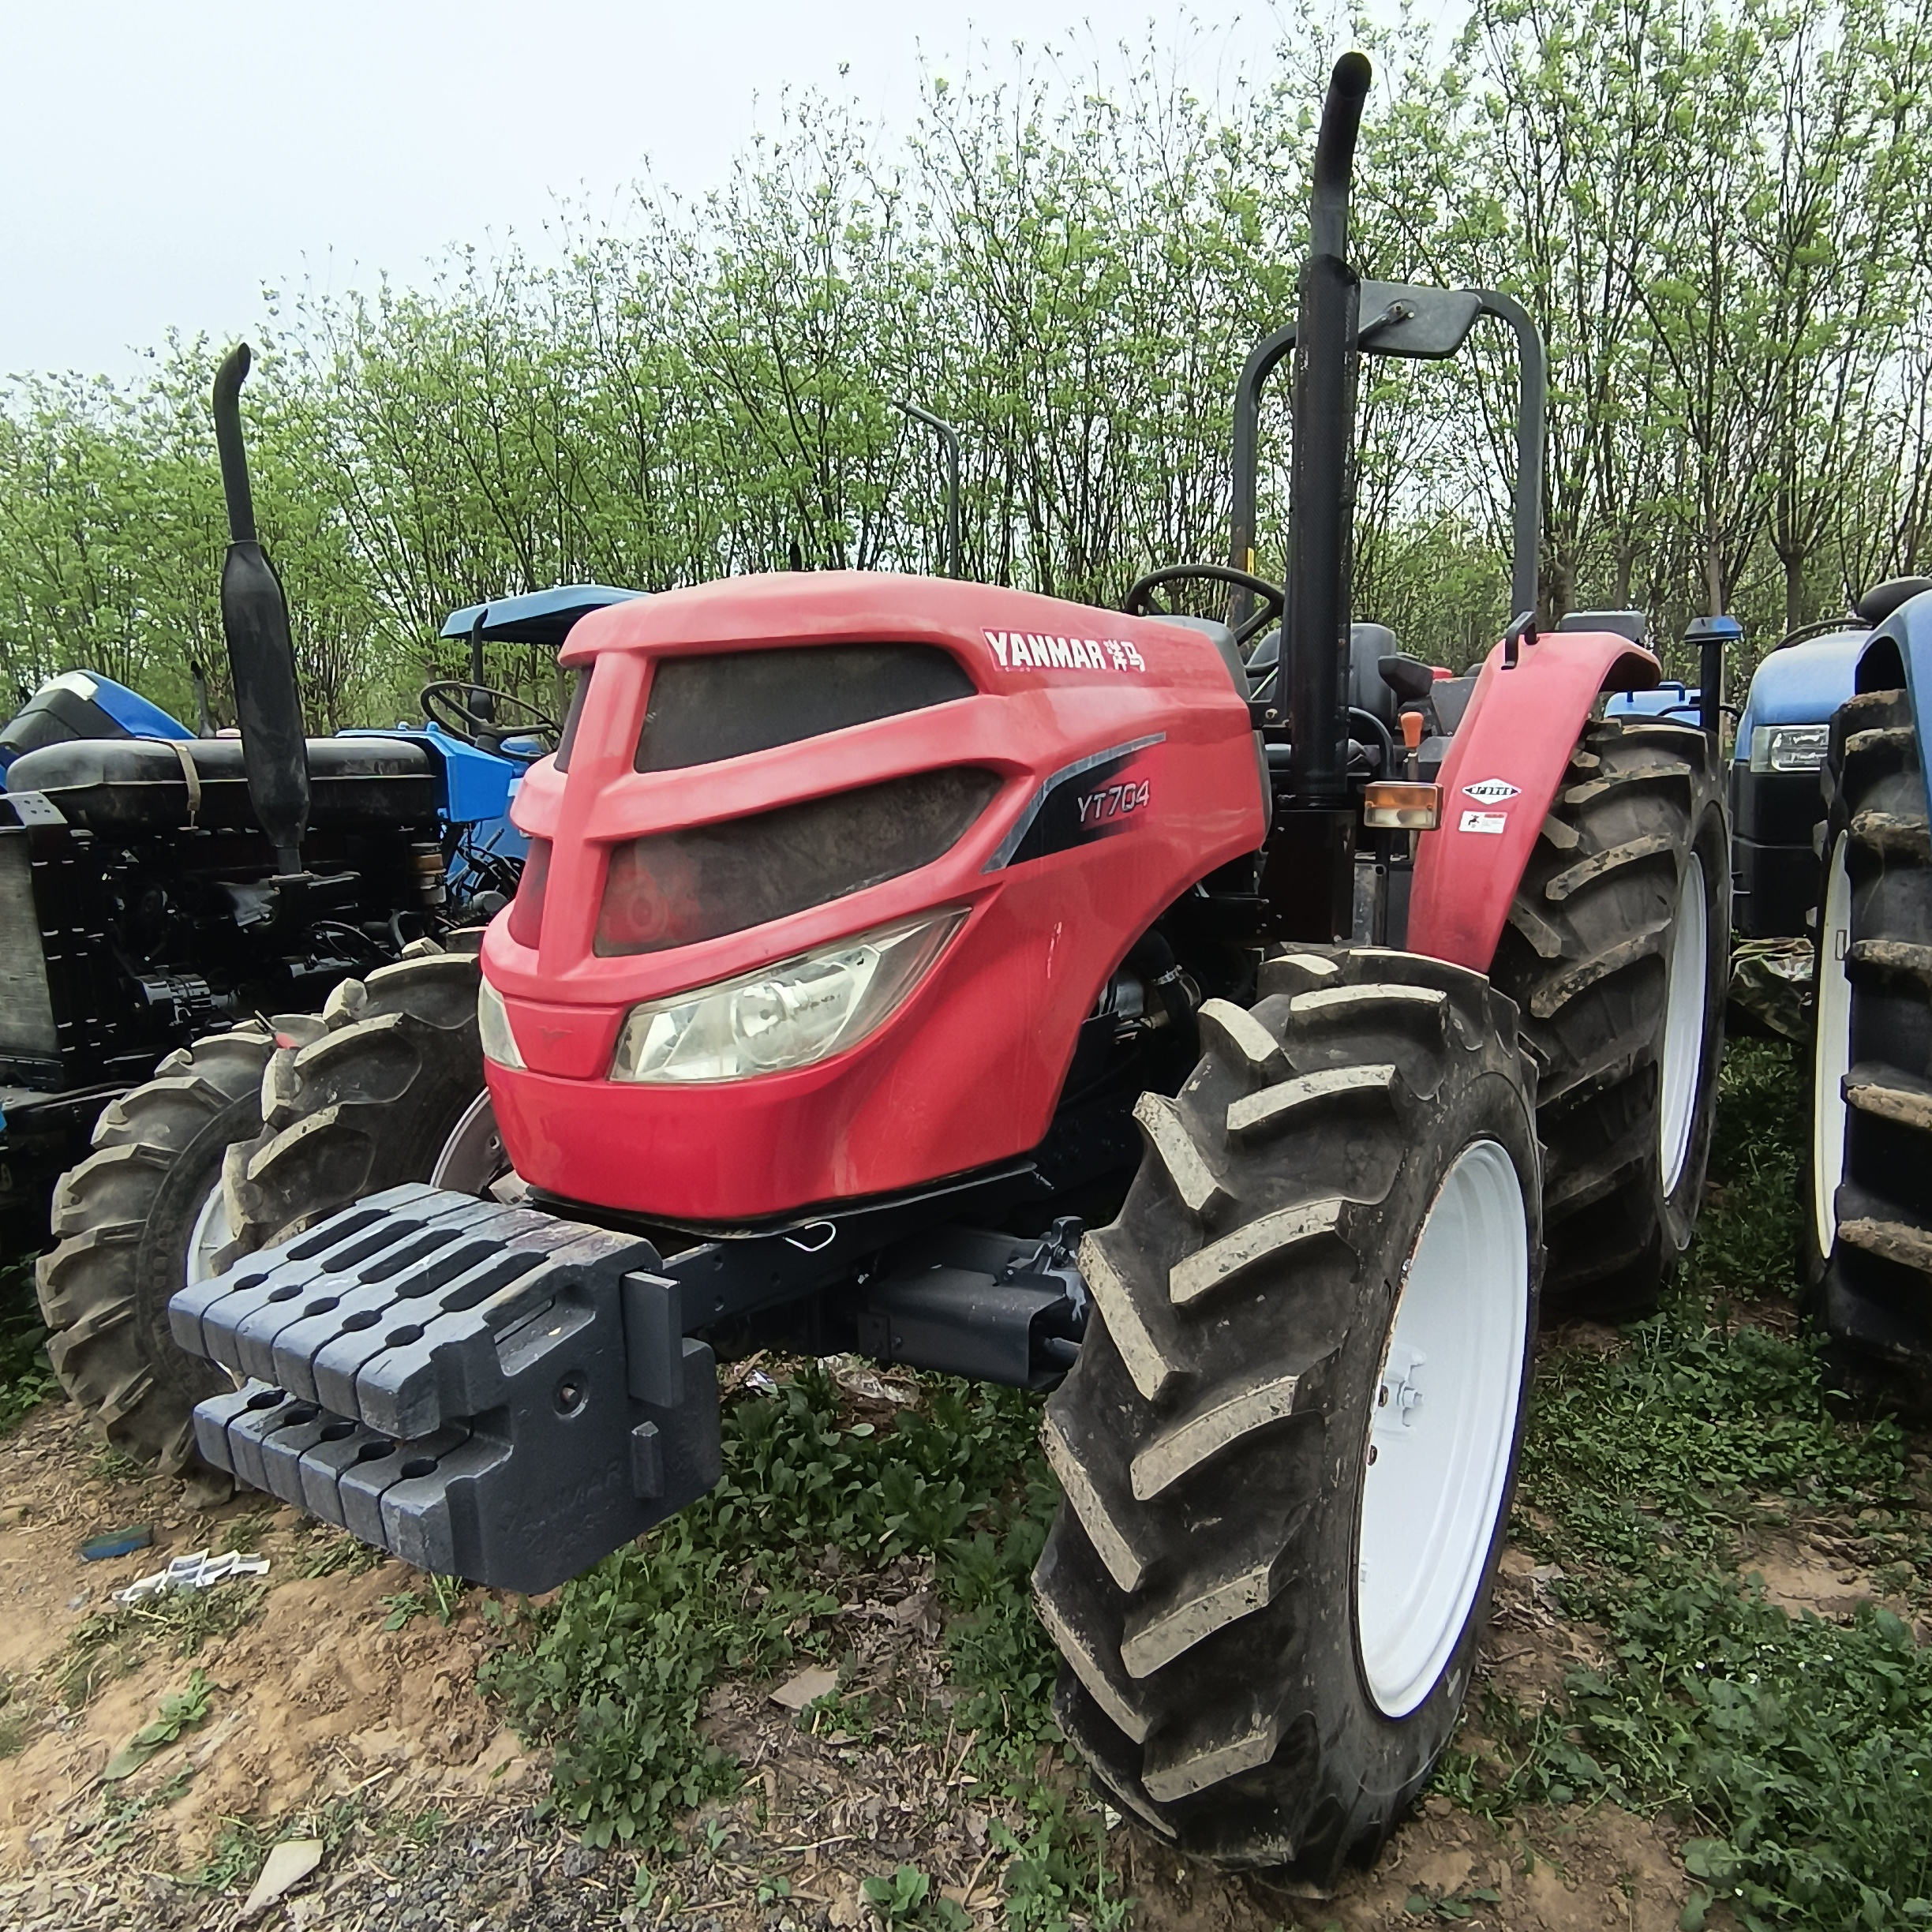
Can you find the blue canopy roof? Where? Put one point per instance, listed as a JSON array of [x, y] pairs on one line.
[[538, 616]]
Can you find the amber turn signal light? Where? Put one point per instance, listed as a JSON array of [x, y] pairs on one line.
[[1391, 805]]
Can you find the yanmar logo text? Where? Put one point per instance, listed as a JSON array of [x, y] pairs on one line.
[[1018, 648]]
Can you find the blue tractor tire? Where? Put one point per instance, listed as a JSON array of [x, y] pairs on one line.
[[1867, 1196]]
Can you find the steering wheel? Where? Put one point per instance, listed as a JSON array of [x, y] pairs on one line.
[[453, 703], [1273, 599]]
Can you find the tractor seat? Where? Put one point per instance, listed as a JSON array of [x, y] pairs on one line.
[[1379, 673], [137, 783]]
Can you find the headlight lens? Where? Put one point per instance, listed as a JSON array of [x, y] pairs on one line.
[[789, 1015], [1789, 748], [493, 1026]]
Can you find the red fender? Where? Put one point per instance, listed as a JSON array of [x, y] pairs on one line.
[[1499, 780]]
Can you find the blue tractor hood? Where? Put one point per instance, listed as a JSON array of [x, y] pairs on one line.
[[1803, 683], [82, 704]]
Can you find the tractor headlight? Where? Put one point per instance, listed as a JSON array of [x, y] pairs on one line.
[[1789, 748], [493, 1027], [789, 1015]]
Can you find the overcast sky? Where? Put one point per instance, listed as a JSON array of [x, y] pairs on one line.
[[162, 161]]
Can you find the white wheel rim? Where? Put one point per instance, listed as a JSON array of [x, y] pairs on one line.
[[472, 1157], [1831, 1049], [208, 1235], [1684, 1023], [1445, 1419]]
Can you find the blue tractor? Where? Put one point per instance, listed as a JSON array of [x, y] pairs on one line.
[[1831, 858], [172, 905], [1867, 1197], [1778, 755]]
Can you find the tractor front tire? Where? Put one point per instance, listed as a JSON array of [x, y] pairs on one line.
[[140, 1218], [1617, 951], [1868, 1193], [375, 1100], [1288, 1444]]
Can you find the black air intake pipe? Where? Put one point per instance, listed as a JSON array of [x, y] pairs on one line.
[[1321, 490], [261, 660]]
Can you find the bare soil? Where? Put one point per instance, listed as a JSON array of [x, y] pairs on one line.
[[375, 1739]]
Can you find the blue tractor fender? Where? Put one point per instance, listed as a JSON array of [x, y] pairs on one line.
[[1904, 640]]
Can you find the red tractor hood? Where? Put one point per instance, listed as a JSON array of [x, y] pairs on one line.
[[1058, 772]]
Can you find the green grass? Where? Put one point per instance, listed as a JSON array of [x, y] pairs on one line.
[[330, 1552], [1798, 1751], [619, 1665], [624, 1659], [1747, 1233], [26, 1378]]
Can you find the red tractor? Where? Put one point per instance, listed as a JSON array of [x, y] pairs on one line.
[[1070, 998]]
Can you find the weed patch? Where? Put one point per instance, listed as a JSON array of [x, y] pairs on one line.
[[616, 1676], [16, 1719], [331, 1553], [440, 1597], [905, 1902], [1801, 1748], [26, 1378], [183, 1711], [110, 1643], [245, 1843], [1748, 1232]]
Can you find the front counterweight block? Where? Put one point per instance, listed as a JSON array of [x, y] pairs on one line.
[[483, 1391]]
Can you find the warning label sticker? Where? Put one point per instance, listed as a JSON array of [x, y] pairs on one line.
[[1485, 822]]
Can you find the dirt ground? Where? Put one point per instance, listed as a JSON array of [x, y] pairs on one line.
[[375, 1735]]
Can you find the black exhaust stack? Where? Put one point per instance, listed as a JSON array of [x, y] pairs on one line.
[[1309, 876], [261, 660], [1321, 488]]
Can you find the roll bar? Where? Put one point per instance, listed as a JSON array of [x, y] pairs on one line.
[[1425, 324], [950, 439]]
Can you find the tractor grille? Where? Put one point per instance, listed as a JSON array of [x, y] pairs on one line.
[[26, 1004], [526, 908], [566, 738], [673, 888], [705, 709]]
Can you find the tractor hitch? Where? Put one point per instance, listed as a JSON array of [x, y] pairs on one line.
[[995, 1307], [483, 1391]]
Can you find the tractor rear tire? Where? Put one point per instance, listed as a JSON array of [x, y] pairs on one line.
[[140, 1218], [1617, 951], [375, 1100], [1868, 1193], [1281, 1516]]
